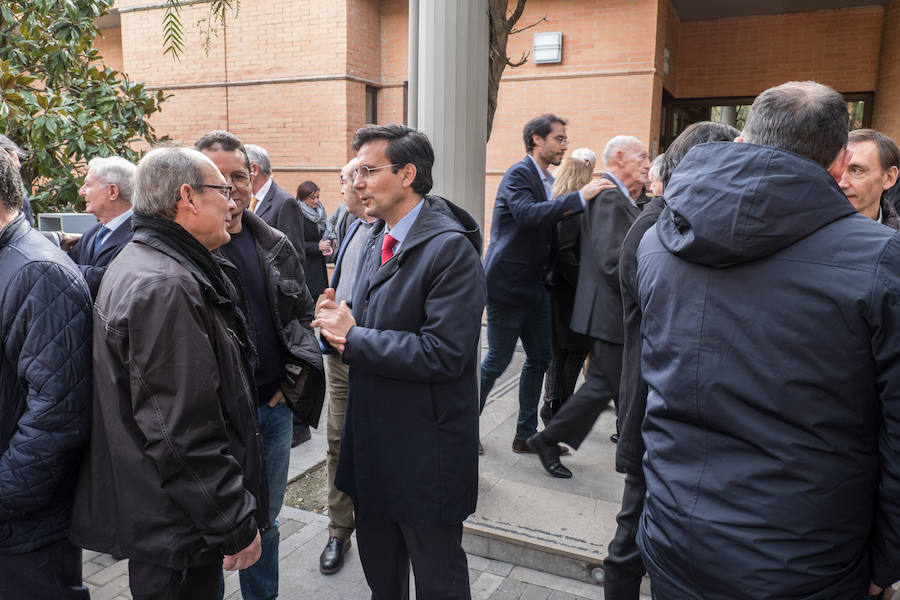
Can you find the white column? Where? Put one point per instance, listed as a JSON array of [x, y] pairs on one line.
[[452, 96]]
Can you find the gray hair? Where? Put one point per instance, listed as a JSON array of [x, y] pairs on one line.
[[585, 154], [616, 144], [350, 166], [159, 178], [257, 154], [11, 147], [804, 117], [655, 167], [10, 185], [116, 171]]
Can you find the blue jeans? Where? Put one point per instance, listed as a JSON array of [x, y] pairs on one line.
[[260, 581], [505, 325]]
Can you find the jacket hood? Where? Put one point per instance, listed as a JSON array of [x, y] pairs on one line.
[[439, 215], [731, 203]]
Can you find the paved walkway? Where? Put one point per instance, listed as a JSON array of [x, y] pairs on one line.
[[524, 518]]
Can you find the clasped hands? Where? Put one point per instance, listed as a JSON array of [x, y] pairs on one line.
[[334, 320]]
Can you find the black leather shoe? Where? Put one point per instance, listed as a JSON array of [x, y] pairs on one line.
[[521, 447], [301, 434], [332, 558], [549, 455], [614, 438]]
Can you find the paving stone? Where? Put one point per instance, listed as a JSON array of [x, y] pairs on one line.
[[485, 585], [535, 592], [478, 563], [107, 574], [498, 567], [510, 589], [288, 527], [115, 588], [89, 568], [557, 595], [104, 559]]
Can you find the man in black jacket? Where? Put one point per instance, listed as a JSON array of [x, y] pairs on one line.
[[174, 478], [597, 311], [289, 369], [281, 210], [408, 454], [771, 311], [623, 567], [45, 404]]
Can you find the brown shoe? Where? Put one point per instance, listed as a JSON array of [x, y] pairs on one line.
[[521, 447]]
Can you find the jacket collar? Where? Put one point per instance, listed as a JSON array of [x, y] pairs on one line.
[[14, 230]]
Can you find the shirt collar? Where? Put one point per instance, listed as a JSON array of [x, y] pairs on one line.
[[401, 228], [115, 223], [620, 185], [545, 175], [261, 193]]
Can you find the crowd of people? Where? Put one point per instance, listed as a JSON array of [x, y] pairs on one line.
[[736, 301]]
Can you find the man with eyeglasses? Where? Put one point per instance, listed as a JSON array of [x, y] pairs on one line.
[[288, 375], [521, 254], [408, 454], [174, 475]]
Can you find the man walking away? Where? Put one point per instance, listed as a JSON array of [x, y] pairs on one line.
[[771, 311]]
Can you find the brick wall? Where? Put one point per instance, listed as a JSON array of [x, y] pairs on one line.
[[109, 45], [886, 117], [744, 56]]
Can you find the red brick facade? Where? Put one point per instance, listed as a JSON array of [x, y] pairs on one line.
[[291, 75]]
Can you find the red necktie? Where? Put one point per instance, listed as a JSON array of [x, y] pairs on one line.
[[387, 248]]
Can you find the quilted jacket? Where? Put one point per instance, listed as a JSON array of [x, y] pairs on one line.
[[45, 387]]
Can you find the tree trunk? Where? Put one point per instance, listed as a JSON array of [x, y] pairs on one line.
[[499, 26]]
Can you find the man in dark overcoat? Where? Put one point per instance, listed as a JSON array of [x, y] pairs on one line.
[[408, 454]]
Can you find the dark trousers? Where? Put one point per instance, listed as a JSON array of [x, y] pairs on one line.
[[49, 573], [151, 582], [623, 567], [576, 418], [439, 563]]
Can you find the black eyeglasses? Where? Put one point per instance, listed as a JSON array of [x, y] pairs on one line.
[[224, 190]]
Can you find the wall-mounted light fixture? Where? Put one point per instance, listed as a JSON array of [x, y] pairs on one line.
[[548, 47]]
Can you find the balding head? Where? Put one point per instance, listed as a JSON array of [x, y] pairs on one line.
[[804, 117]]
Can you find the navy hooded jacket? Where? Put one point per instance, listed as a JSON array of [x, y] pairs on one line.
[[45, 387], [771, 348]]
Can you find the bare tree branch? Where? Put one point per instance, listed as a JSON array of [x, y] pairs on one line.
[[516, 14], [543, 19], [521, 62]]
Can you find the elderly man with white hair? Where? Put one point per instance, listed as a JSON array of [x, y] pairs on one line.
[[597, 311], [107, 190]]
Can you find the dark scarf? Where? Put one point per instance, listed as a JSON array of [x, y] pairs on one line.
[[170, 237]]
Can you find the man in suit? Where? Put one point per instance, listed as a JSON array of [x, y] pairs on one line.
[[275, 206], [408, 454], [523, 244], [107, 192], [340, 505], [597, 311], [279, 210]]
